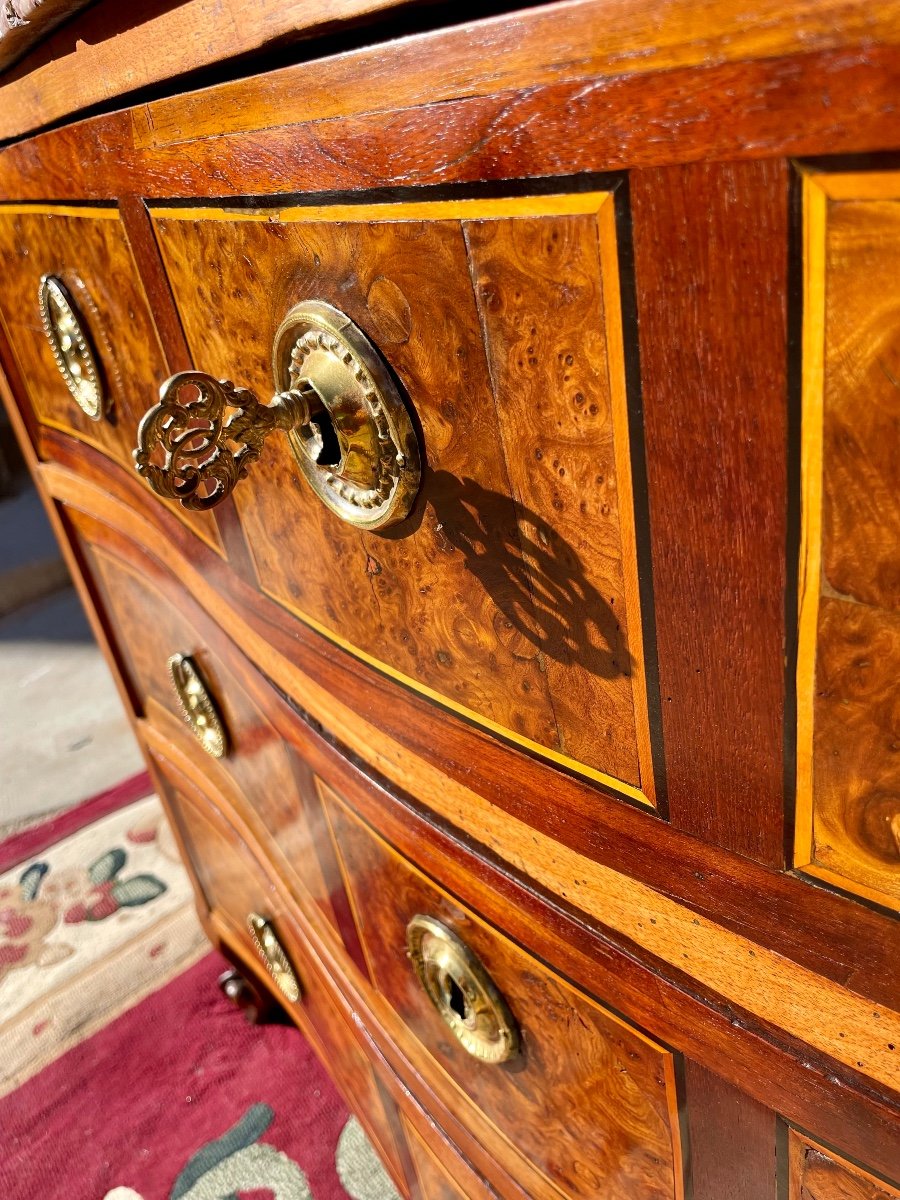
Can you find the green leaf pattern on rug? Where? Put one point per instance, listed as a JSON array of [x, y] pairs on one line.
[[234, 1163], [238, 1162], [30, 882], [249, 1129], [107, 866], [139, 889]]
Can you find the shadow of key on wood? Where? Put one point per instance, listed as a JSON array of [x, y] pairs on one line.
[[533, 575]]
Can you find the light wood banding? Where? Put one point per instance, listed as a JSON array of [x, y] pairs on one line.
[[848, 784]]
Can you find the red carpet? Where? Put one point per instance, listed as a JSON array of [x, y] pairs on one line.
[[181, 1099]]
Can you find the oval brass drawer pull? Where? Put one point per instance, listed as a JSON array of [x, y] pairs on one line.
[[462, 991], [346, 422], [271, 951], [71, 346], [197, 705]]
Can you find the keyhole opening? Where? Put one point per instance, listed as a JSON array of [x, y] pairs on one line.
[[456, 998], [329, 452]]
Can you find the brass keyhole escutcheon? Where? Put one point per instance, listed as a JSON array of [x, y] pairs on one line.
[[197, 705], [359, 452], [346, 422], [71, 346], [462, 991]]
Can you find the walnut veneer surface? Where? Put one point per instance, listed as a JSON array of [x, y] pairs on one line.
[[615, 702]]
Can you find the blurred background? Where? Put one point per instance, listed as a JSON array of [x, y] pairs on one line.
[[63, 732]]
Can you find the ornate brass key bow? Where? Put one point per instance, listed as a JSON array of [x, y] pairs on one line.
[[198, 467], [346, 422]]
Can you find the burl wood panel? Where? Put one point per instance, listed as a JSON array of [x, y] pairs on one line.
[[509, 592], [541, 305], [759, 943], [819, 1174], [589, 1101], [91, 255], [848, 825]]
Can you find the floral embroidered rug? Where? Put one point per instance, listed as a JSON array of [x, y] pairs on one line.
[[181, 1099], [96, 911], [124, 1072]]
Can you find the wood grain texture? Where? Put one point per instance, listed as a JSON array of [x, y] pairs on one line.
[[508, 602], [820, 1174], [856, 799], [91, 255], [225, 870], [615, 38], [711, 312], [732, 1139], [790, 1081], [421, 749], [322, 875], [787, 991], [545, 318], [106, 54], [257, 769], [404, 114], [796, 1002], [789, 1077], [589, 1100], [344, 1019], [87, 253], [513, 906], [139, 231], [142, 239], [409, 597], [848, 820]]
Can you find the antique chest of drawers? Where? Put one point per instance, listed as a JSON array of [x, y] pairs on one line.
[[478, 448]]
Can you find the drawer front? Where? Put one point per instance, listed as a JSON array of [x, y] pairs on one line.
[[848, 788], [86, 252], [819, 1174], [587, 1099], [510, 591], [234, 885], [151, 619]]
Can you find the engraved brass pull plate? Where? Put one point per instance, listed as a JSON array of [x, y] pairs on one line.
[[272, 953], [197, 706], [71, 346], [347, 425], [462, 991]]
